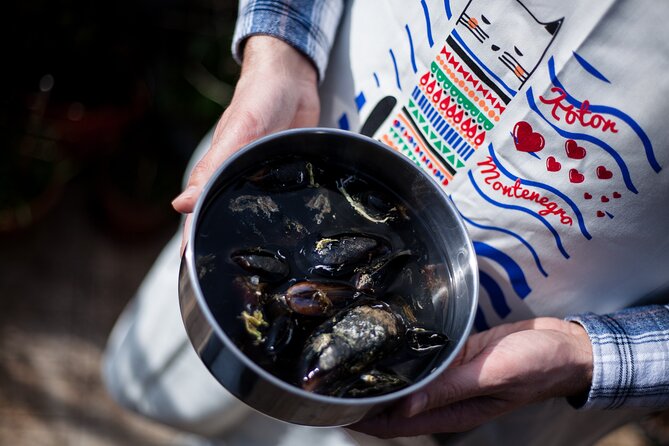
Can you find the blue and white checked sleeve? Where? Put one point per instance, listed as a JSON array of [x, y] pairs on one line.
[[631, 357], [307, 25]]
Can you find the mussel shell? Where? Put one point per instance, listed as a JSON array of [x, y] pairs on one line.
[[316, 298], [279, 335], [340, 254], [349, 343], [288, 175], [372, 383], [266, 264], [373, 205], [424, 342], [419, 340], [251, 290], [375, 278], [377, 202]]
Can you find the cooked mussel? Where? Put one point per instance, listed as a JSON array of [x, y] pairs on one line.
[[372, 383], [251, 290], [319, 275], [315, 298], [284, 176], [280, 334], [340, 254], [423, 342], [348, 344], [370, 204], [359, 337], [374, 279], [269, 266], [419, 341]]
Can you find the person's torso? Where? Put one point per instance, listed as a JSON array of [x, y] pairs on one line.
[[546, 123]]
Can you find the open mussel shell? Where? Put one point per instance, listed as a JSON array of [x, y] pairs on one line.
[[250, 289], [286, 175], [376, 277], [268, 265], [372, 383], [424, 342], [372, 205], [340, 254]]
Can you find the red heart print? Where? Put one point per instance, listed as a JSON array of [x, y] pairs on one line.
[[552, 165], [587, 196], [605, 199], [574, 151], [616, 195], [575, 176], [527, 140], [603, 173], [600, 214]]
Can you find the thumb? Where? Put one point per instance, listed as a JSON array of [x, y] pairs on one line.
[[228, 138], [186, 234], [200, 175]]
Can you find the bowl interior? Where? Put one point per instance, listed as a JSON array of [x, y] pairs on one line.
[[453, 288]]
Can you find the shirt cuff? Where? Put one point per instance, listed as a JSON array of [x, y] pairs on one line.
[[309, 26], [630, 358]]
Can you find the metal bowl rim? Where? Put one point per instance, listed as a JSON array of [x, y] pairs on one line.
[[190, 262]]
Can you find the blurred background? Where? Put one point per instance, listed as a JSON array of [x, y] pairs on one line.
[[102, 104]]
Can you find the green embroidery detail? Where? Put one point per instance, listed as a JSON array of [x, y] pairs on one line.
[[460, 97], [435, 141], [405, 149]]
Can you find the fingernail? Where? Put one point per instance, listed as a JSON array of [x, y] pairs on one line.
[[417, 404], [188, 193]]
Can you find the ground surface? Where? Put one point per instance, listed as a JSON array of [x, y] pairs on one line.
[[62, 285]]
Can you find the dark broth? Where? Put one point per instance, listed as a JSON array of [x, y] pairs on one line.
[[287, 220]]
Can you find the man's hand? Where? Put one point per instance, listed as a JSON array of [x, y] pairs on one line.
[[277, 90], [499, 370]]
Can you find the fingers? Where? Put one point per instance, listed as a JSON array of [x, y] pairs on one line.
[[230, 135], [225, 142], [463, 380], [501, 369], [265, 101], [453, 385], [220, 150], [185, 202], [458, 417]]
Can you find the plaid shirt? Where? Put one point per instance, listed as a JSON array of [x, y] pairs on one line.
[[631, 357], [630, 347], [307, 25]]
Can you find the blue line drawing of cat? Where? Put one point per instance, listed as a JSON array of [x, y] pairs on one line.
[[503, 39]]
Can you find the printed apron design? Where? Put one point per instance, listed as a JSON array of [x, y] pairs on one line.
[[534, 189]]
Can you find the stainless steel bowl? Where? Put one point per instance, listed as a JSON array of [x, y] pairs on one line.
[[454, 303]]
